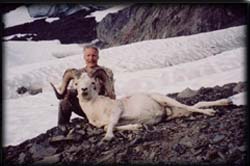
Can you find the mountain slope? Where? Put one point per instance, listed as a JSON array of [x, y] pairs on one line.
[[153, 21], [197, 139]]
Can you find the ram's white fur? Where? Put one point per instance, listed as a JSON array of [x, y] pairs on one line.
[[131, 112]]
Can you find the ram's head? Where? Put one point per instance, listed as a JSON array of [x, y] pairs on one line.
[[85, 85]]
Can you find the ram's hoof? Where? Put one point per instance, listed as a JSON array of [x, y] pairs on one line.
[[107, 138], [230, 101], [209, 112]]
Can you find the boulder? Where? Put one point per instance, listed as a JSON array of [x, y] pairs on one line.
[[187, 93]]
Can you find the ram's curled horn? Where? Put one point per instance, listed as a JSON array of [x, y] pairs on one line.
[[68, 75]]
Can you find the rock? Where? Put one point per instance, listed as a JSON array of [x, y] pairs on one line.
[[235, 154], [242, 148], [197, 152], [212, 154], [74, 148], [34, 91], [78, 126], [39, 150], [240, 87], [61, 138], [63, 129], [105, 159], [187, 93], [82, 132], [21, 90], [49, 160], [85, 144], [204, 126], [179, 148], [152, 155], [222, 156], [93, 139], [71, 132], [21, 158], [186, 141], [218, 138], [184, 125]]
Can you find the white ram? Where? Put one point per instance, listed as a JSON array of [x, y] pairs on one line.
[[128, 113]]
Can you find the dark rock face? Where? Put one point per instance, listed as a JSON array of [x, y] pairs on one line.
[[219, 139], [68, 29], [153, 21]]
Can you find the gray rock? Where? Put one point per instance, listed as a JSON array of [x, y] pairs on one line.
[[85, 145], [74, 148], [21, 158], [34, 91], [78, 126], [186, 141], [93, 139], [61, 138], [187, 93], [218, 138], [82, 132], [152, 155], [196, 151], [179, 148], [39, 150], [106, 158], [50, 159], [242, 148], [240, 87]]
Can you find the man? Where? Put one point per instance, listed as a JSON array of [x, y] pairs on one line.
[[104, 80]]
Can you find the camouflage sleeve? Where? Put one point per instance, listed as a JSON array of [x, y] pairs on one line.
[[106, 86]]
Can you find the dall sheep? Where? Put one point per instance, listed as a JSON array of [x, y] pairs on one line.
[[128, 113]]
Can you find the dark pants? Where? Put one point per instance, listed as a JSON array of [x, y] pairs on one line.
[[68, 105]]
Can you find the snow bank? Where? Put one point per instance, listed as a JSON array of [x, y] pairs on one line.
[[99, 15], [16, 17]]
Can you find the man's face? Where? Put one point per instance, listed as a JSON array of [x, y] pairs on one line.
[[91, 57]]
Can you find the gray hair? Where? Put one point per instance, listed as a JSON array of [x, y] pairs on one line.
[[91, 46]]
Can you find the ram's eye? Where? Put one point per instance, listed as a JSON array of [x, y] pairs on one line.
[[93, 83], [75, 84]]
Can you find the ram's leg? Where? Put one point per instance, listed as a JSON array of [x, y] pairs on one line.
[[209, 112], [220, 102], [115, 116], [129, 127], [174, 104]]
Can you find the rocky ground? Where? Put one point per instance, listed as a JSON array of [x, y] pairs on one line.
[[220, 139]]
